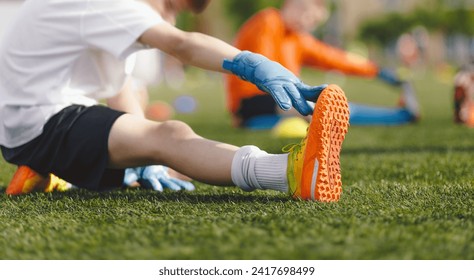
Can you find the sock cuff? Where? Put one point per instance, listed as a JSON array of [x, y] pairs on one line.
[[241, 165], [270, 172]]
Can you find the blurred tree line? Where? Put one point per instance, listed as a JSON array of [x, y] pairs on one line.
[[437, 17], [235, 11], [444, 18], [240, 12]]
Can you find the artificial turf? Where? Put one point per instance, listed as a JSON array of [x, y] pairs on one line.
[[407, 194]]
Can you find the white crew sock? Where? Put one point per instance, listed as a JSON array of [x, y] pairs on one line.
[[253, 169]]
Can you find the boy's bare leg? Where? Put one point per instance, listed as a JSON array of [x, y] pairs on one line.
[[134, 141]]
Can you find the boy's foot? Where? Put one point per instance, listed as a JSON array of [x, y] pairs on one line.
[[314, 171], [25, 180]]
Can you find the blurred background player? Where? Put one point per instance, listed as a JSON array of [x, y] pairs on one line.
[[284, 36], [464, 95]]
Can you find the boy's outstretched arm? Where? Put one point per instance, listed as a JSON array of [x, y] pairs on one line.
[[213, 54], [190, 48], [322, 55]]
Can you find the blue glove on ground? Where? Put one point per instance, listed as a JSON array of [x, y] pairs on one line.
[[273, 78], [389, 77], [155, 177]]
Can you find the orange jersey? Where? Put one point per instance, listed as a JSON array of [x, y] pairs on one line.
[[265, 33]]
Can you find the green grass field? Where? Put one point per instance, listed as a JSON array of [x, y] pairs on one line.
[[408, 194]]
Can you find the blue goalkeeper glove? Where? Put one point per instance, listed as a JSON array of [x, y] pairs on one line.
[[155, 177], [389, 77], [273, 78]]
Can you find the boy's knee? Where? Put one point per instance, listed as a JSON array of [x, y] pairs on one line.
[[176, 130]]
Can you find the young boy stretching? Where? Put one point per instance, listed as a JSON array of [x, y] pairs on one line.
[[60, 57]]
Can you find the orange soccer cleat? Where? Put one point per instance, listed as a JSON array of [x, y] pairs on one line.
[[25, 180], [314, 171]]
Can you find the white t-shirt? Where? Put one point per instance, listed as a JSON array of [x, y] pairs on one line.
[[63, 52]]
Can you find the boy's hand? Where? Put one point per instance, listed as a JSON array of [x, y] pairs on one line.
[[155, 177], [272, 77]]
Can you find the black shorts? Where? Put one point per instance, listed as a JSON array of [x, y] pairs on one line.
[[258, 105], [74, 147]]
